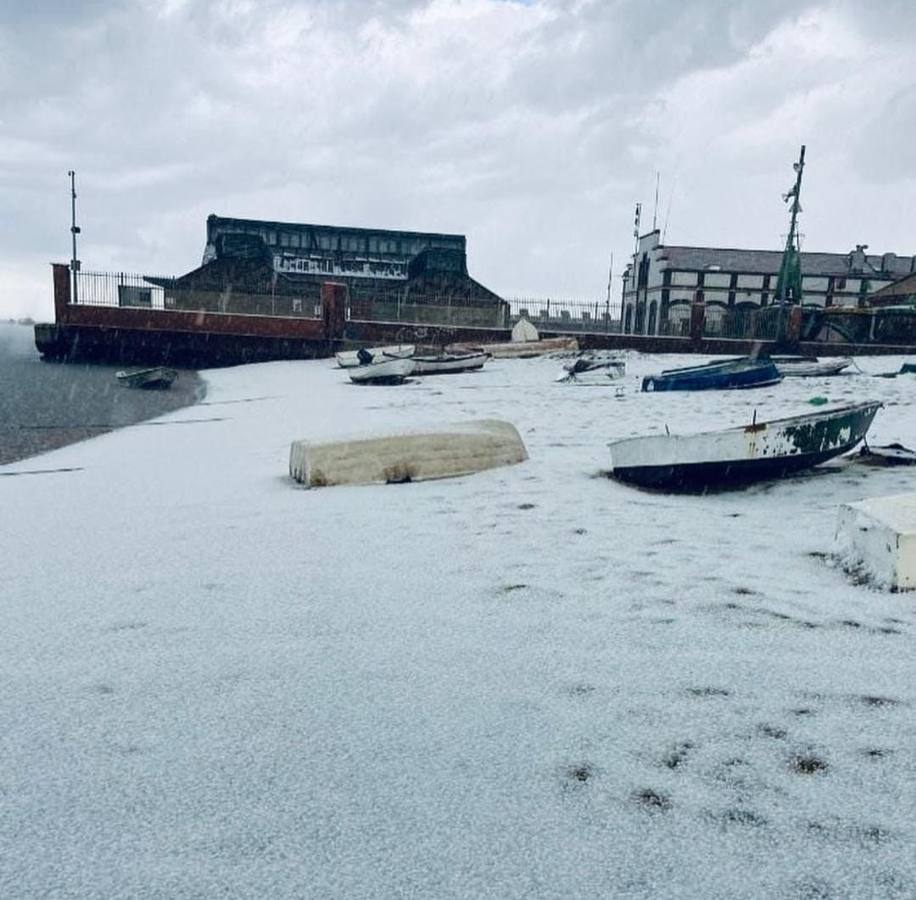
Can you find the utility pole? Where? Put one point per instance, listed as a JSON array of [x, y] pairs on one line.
[[74, 231]]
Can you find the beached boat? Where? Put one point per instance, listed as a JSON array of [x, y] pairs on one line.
[[158, 378], [742, 454], [447, 363], [809, 366], [730, 374], [349, 359], [518, 349], [389, 371], [590, 370]]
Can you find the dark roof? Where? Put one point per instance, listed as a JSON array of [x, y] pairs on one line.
[[767, 262], [903, 287], [221, 221]]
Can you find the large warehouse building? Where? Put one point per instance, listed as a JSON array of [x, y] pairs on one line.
[[263, 267]]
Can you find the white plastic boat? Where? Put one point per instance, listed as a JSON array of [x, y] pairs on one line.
[[349, 359], [809, 367], [390, 371], [446, 363]]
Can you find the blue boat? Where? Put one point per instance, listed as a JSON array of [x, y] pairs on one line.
[[716, 376]]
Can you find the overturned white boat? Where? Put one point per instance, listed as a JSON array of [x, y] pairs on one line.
[[593, 370], [349, 359], [446, 363], [448, 450], [389, 371]]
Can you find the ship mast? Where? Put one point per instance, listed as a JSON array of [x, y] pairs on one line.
[[789, 283]]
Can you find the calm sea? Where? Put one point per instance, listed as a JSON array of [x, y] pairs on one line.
[[44, 405]]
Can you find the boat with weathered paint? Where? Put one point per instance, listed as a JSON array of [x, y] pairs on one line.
[[448, 363], [158, 378], [388, 371], [350, 359], [739, 455], [809, 366], [592, 370], [730, 374]]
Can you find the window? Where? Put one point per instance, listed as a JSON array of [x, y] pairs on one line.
[[840, 284]]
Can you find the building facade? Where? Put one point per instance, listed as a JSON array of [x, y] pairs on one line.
[[266, 267], [663, 280]]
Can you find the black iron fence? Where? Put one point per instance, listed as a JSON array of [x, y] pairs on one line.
[[128, 290], [592, 316]]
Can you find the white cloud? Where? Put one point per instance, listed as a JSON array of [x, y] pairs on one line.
[[531, 127]]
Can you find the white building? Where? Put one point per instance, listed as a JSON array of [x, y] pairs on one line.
[[662, 281]]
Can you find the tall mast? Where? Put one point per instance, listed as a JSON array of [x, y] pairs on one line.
[[789, 283], [74, 231]]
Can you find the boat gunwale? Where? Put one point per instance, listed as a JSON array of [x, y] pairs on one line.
[[756, 426]]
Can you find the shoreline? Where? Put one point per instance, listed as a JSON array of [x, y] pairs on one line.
[[48, 405]]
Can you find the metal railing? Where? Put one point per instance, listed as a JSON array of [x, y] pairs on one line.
[[550, 314], [131, 291]]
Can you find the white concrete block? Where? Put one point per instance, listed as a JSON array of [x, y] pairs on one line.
[[454, 449], [879, 537]]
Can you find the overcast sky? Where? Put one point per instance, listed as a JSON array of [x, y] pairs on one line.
[[531, 127]]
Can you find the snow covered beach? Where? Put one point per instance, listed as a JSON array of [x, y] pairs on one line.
[[530, 682]]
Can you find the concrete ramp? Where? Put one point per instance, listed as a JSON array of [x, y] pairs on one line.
[[455, 449], [878, 536]]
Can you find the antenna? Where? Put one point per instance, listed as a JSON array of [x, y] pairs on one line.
[[74, 231], [668, 211], [610, 276], [655, 208]]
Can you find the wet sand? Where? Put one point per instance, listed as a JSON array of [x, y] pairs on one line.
[[45, 405]]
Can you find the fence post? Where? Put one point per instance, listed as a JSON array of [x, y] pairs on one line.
[[61, 278]]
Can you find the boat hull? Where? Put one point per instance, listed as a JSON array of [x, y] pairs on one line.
[[156, 379], [349, 359], [392, 371], [600, 374], [447, 365], [729, 375], [811, 368], [739, 455]]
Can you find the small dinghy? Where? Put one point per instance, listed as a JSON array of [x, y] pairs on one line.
[[809, 366], [447, 363], [738, 455], [389, 371], [350, 359], [158, 378], [592, 370], [732, 374], [886, 456]]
